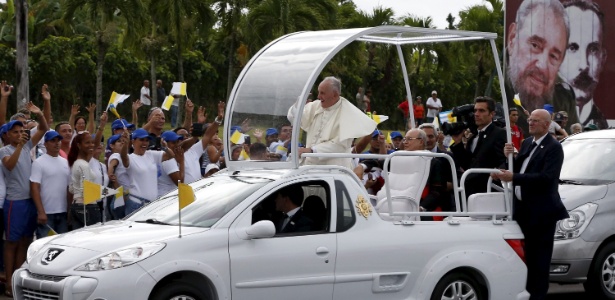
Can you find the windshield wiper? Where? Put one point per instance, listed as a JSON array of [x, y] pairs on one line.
[[153, 221], [573, 182]]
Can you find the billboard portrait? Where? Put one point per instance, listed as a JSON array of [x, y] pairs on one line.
[[557, 53]]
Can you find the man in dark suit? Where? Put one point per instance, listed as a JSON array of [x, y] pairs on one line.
[[288, 201], [483, 149], [537, 205]]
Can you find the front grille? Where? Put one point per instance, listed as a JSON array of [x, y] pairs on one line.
[[46, 277], [30, 294]]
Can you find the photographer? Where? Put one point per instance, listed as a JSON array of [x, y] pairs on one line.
[[483, 148]]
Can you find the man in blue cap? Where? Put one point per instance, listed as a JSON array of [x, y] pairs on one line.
[[20, 213], [271, 135], [172, 169], [117, 127], [49, 185], [396, 138]]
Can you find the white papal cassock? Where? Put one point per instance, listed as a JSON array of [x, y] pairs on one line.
[[332, 129]]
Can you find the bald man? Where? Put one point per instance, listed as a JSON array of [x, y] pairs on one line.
[[537, 205]]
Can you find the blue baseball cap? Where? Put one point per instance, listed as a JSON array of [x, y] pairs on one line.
[[235, 128], [271, 131], [114, 138], [3, 129], [52, 134], [549, 108], [120, 123], [12, 124], [140, 134], [171, 136], [396, 134], [375, 133]]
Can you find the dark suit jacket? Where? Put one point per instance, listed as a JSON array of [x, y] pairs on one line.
[[489, 154], [299, 222], [539, 183]]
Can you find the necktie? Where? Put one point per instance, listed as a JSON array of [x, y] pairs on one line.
[[527, 154], [285, 222], [480, 134]]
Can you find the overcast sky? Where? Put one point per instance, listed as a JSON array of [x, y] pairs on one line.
[[436, 9]]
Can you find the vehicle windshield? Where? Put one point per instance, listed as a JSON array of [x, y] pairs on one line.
[[589, 161], [214, 198]]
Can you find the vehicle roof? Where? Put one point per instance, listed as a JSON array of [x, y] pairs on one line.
[[594, 134]]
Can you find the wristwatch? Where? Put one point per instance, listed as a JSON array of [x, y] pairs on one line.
[[218, 121]]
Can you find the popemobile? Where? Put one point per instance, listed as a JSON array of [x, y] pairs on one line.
[[226, 244]]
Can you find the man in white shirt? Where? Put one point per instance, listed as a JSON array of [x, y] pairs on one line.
[[145, 98], [434, 106], [331, 123], [49, 185]]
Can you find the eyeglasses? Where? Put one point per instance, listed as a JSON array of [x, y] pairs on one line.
[[407, 139]]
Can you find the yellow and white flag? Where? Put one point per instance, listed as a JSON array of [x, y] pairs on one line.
[[179, 88], [116, 99], [114, 111], [378, 118], [517, 100], [238, 138], [436, 123], [185, 195], [244, 155], [389, 140], [119, 198], [51, 232], [168, 101], [93, 192]]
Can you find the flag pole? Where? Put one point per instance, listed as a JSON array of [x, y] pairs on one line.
[[180, 210], [85, 222], [104, 199]]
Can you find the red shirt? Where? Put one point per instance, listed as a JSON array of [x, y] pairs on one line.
[[419, 111], [404, 108], [517, 136]]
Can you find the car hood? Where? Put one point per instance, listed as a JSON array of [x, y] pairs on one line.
[[574, 196], [78, 247], [119, 234]]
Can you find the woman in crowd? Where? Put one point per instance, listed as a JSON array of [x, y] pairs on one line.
[[118, 174], [99, 169], [143, 170], [79, 156]]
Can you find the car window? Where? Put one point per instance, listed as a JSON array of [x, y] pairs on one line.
[[345, 210], [214, 197], [589, 161], [307, 202]]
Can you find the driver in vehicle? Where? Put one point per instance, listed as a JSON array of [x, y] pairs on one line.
[[288, 201]]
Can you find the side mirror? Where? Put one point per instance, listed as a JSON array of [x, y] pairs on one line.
[[261, 229]]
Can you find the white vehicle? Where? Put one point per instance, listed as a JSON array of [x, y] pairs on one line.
[[228, 247]]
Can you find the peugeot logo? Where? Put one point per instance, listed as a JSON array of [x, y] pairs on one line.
[[51, 254]]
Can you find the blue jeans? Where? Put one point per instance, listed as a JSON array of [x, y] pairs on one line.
[[131, 205], [57, 222], [173, 111], [119, 212]]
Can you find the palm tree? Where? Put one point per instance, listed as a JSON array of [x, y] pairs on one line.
[[229, 13], [105, 18], [179, 19], [21, 32]]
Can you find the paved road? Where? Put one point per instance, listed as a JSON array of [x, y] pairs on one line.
[[556, 292]]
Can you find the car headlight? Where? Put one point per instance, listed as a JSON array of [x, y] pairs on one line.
[[36, 246], [574, 226], [122, 258]]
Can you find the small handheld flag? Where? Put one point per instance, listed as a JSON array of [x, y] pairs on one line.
[[244, 155], [116, 99], [179, 88], [168, 101], [389, 140], [237, 138], [378, 118], [51, 232]]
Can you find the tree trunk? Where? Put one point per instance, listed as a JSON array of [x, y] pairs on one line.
[[180, 62], [152, 71], [21, 63], [231, 66], [100, 62]]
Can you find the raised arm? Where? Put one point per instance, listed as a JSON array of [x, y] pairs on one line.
[[74, 111], [213, 127], [91, 110], [42, 123], [5, 92], [189, 108], [46, 103], [135, 107], [101, 128]]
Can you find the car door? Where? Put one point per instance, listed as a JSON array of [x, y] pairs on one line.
[[286, 266]]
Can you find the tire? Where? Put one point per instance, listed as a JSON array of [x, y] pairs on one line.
[[177, 291], [601, 278], [458, 286]]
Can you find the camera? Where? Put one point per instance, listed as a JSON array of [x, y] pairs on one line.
[[465, 114], [197, 129]]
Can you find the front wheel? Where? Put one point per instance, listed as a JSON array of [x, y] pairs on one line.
[[458, 286], [601, 278], [177, 291]]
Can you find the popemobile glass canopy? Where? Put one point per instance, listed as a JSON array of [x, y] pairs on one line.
[[285, 71]]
